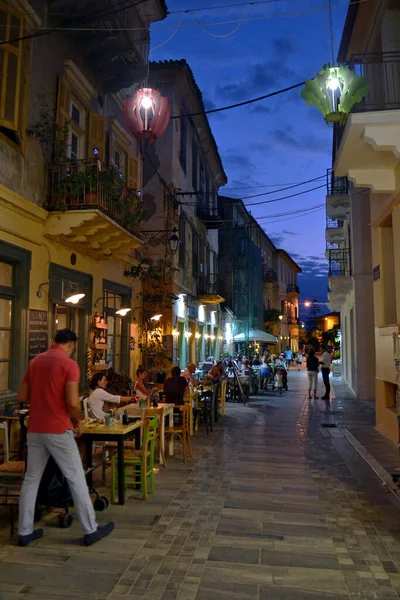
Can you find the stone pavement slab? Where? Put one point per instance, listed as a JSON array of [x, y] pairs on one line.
[[273, 507]]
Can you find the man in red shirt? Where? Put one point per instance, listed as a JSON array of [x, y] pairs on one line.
[[50, 387]]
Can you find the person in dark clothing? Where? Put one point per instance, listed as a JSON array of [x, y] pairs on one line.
[[312, 372], [175, 386]]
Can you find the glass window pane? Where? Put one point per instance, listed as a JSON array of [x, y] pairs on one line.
[[5, 312], [110, 323], [5, 344], [118, 344], [6, 274], [118, 324], [4, 376]]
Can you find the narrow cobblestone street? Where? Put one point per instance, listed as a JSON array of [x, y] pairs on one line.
[[276, 505]]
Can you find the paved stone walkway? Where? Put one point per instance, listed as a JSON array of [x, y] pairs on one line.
[[273, 507]]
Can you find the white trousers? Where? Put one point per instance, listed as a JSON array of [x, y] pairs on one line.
[[63, 448], [312, 380]]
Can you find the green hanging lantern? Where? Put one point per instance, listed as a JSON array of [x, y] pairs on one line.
[[334, 91]]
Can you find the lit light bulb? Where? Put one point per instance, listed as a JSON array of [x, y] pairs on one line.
[[175, 332], [198, 335], [146, 103], [333, 83], [75, 298]]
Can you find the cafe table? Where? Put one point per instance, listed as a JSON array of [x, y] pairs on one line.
[[134, 410], [98, 432]]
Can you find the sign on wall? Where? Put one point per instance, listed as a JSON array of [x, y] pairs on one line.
[[377, 273], [38, 332]]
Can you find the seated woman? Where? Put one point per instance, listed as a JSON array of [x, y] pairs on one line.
[[98, 396], [175, 387], [142, 392]]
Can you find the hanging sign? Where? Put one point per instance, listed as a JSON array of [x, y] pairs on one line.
[[38, 332]]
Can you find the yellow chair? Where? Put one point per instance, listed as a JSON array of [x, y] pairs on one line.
[[182, 431], [222, 397]]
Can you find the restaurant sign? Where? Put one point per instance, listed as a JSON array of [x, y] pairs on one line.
[[38, 332]]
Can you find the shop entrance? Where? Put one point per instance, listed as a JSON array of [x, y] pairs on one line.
[[69, 317]]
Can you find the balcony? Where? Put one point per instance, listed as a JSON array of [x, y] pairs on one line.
[[292, 290], [367, 148], [92, 209], [334, 232], [207, 211], [339, 276], [207, 290], [338, 198], [269, 275]]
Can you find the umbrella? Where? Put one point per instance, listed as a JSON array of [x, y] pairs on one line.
[[256, 335]]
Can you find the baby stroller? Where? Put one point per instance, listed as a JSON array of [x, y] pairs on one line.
[[54, 493]]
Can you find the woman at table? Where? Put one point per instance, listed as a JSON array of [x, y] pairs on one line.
[[98, 396]]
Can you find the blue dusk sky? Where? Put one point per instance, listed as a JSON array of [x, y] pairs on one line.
[[278, 141]]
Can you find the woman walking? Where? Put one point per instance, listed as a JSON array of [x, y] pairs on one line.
[[312, 372], [299, 360]]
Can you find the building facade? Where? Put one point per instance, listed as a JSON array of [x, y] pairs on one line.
[[69, 182], [182, 174], [366, 151]]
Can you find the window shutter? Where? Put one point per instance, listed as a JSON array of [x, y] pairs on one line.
[[11, 26], [133, 172], [63, 101], [97, 135], [26, 67]]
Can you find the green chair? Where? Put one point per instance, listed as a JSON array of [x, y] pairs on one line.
[[138, 464]]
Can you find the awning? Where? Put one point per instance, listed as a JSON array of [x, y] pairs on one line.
[[256, 335]]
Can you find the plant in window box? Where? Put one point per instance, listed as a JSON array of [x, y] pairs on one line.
[[71, 188]]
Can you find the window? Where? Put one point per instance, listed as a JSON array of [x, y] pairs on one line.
[[14, 71], [77, 127], [120, 160], [183, 141], [117, 296], [6, 321], [182, 245], [195, 182]]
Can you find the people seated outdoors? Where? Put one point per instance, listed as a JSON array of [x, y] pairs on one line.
[[189, 372], [98, 399], [175, 387], [214, 376], [143, 392], [246, 368]]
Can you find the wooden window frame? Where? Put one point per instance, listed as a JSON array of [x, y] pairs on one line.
[[125, 293], [119, 137]]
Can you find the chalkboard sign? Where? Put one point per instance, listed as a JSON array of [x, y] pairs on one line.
[[38, 332]]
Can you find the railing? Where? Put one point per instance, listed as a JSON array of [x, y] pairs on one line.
[[207, 211], [208, 285], [332, 246], [333, 223], [293, 288], [269, 275], [382, 72], [86, 184], [339, 263], [336, 186]]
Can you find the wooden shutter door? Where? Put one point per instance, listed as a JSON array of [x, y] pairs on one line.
[[63, 101], [133, 172], [11, 27], [97, 135]]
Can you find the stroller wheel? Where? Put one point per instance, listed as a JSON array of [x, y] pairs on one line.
[[100, 503], [66, 520]]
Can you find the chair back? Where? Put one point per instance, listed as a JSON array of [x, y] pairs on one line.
[[149, 437], [171, 398], [222, 389], [185, 410], [84, 401], [6, 450]]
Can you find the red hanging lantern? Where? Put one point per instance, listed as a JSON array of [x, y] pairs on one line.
[[147, 114]]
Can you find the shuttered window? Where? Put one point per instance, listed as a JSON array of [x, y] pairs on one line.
[[133, 172], [14, 67], [97, 135]]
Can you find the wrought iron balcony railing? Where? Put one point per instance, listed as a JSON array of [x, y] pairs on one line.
[[293, 288], [269, 275], [334, 223], [339, 263], [336, 186], [82, 185], [207, 211], [383, 75], [208, 285]]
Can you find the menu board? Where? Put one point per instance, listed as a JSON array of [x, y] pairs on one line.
[[38, 332]]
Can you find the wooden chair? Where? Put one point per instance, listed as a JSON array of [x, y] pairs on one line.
[[138, 464], [222, 397], [9, 467], [182, 430]]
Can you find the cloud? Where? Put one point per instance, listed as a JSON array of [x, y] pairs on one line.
[[277, 239], [263, 76], [210, 105], [237, 160], [301, 144], [260, 109], [286, 232]]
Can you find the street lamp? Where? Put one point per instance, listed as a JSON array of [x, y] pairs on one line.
[[147, 114], [173, 240]]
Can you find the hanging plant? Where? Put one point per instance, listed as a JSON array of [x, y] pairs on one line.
[[334, 91]]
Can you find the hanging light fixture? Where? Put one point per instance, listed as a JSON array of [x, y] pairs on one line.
[[175, 332], [188, 333], [122, 311], [74, 299], [197, 335], [147, 114]]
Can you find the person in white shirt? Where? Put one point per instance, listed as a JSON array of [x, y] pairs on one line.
[[325, 363], [98, 396], [188, 373]]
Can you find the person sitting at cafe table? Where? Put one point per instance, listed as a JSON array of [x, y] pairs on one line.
[[175, 386], [188, 373], [98, 396], [214, 376], [142, 392]]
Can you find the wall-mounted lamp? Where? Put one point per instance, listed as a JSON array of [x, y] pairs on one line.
[[212, 337], [206, 336], [173, 241], [155, 317], [188, 333], [74, 299], [39, 292], [175, 332], [280, 317], [197, 335], [220, 337], [123, 311]]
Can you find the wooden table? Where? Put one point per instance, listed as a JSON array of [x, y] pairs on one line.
[[135, 410], [97, 432]]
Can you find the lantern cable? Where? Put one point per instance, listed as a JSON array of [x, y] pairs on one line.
[[169, 39], [224, 35]]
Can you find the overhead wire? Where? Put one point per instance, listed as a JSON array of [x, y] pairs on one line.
[[224, 35]]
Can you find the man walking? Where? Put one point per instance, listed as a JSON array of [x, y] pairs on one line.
[[50, 387], [288, 357], [325, 363]]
